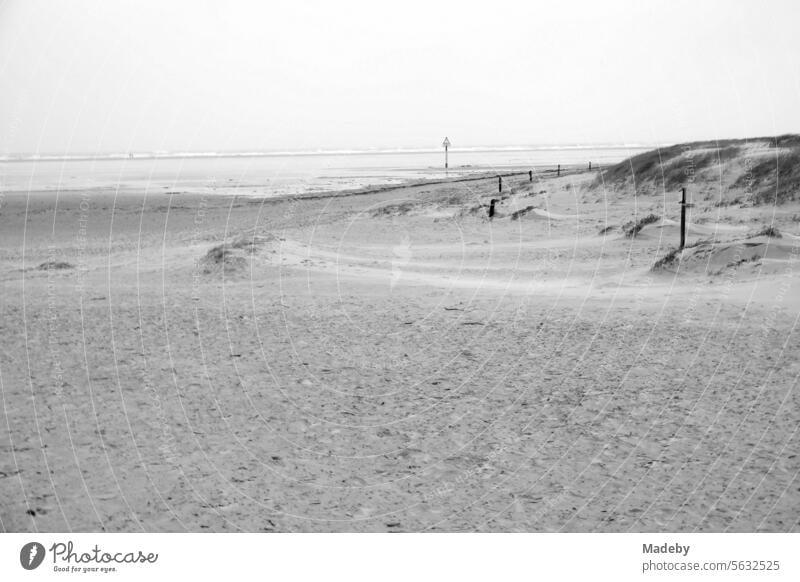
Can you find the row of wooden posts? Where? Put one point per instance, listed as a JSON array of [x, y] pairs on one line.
[[683, 203], [530, 176]]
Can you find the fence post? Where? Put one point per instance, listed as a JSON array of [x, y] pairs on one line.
[[499, 183], [530, 175], [590, 166], [559, 170], [683, 217]]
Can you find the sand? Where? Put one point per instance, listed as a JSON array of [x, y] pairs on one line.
[[396, 362]]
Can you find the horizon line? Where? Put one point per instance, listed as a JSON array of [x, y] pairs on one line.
[[166, 154]]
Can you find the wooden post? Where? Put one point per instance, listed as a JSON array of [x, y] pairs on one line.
[[530, 175], [499, 183], [683, 217], [559, 170], [491, 208], [590, 166]]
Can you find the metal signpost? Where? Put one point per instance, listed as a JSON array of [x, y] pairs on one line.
[[446, 144]]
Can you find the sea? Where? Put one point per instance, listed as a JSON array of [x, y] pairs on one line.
[[274, 174]]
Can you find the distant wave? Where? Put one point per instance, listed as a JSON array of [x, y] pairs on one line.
[[48, 157]]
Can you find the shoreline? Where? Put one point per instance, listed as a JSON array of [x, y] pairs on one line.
[[539, 173]]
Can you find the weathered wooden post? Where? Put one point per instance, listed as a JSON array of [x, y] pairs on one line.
[[559, 170], [590, 166], [684, 205], [499, 183], [491, 208], [530, 175]]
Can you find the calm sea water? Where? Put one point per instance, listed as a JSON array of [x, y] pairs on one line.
[[290, 174]]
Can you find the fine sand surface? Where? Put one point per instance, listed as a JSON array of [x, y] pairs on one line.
[[396, 362]]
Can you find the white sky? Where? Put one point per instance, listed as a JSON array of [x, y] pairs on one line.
[[105, 75]]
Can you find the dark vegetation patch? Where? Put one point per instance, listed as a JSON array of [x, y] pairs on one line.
[[517, 214], [667, 262], [399, 209], [740, 262], [471, 210], [217, 254], [55, 266], [710, 257], [683, 169], [772, 180], [702, 242], [451, 200], [231, 256], [222, 257], [250, 244], [784, 141], [639, 165], [669, 167], [769, 231], [729, 202], [631, 229], [606, 230]]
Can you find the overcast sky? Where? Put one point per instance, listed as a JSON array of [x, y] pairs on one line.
[[105, 75]]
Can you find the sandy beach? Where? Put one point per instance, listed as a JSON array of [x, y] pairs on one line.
[[395, 361]]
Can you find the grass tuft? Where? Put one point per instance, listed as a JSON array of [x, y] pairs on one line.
[[55, 266], [769, 231], [667, 262], [517, 214], [631, 229]]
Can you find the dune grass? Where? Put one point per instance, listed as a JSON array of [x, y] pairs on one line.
[[631, 229], [55, 266], [774, 179], [669, 167], [769, 231], [517, 214], [667, 262]]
